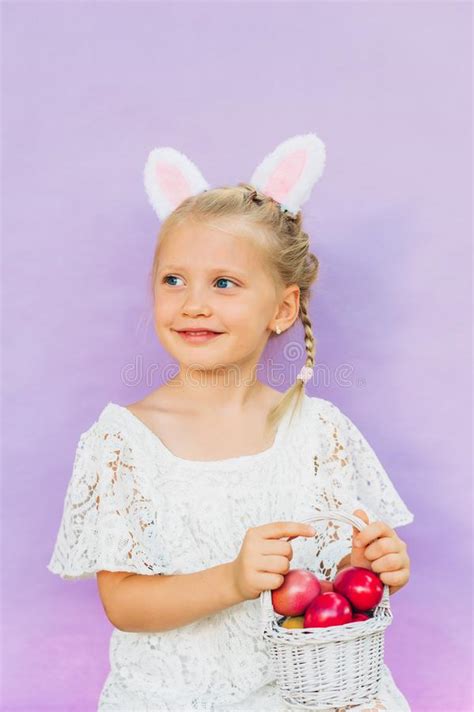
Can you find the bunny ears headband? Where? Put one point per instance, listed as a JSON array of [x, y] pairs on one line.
[[287, 175]]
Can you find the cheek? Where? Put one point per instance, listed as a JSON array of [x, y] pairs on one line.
[[249, 310], [163, 314], [234, 313], [247, 322]]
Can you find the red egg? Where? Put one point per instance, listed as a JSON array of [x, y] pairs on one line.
[[362, 587], [296, 592], [328, 609]]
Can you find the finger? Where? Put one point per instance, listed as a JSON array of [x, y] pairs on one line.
[[358, 558], [380, 547], [365, 518], [371, 532], [276, 547], [276, 530], [394, 578], [357, 555], [274, 564], [362, 514], [390, 562]]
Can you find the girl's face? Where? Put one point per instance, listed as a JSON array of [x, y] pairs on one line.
[[212, 279]]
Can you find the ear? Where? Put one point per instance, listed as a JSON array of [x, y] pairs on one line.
[[170, 177], [290, 171]]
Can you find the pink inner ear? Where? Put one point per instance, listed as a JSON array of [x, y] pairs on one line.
[[286, 175], [172, 183]]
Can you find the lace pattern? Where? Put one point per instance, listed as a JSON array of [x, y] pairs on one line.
[[131, 507], [109, 520]]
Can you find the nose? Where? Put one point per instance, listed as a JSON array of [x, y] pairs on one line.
[[195, 304]]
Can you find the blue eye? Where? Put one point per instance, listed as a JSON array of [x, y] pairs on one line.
[[225, 279], [168, 276], [173, 276]]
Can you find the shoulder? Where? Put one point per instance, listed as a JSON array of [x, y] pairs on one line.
[[329, 414], [109, 429], [323, 409], [108, 450]]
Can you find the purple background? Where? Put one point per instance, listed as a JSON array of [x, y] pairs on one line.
[[88, 90]]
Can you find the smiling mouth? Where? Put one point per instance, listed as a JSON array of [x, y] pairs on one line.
[[198, 331], [199, 337]]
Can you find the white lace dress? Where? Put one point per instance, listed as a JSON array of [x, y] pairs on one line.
[[132, 505]]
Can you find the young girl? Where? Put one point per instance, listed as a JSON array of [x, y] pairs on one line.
[[183, 504]]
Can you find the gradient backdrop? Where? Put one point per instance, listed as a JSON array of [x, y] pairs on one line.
[[88, 90]]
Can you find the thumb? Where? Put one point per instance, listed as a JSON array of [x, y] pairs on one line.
[[357, 553]]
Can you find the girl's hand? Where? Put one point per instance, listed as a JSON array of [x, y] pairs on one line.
[[382, 551], [264, 559]]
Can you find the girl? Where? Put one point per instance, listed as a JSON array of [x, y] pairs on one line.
[[183, 504]]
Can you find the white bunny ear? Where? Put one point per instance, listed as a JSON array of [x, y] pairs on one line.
[[289, 173], [170, 177]]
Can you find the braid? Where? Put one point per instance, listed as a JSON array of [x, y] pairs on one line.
[[309, 338]]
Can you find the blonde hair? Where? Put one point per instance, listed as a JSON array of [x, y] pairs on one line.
[[285, 246]]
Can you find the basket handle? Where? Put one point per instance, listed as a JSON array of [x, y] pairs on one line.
[[337, 514], [341, 516]]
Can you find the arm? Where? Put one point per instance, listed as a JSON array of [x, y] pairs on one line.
[[148, 604], [138, 603]]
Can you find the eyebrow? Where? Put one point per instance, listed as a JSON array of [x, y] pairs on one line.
[[230, 270]]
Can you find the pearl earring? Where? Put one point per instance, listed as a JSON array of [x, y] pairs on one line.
[[278, 330]]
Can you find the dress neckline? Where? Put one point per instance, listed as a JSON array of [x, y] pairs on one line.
[[140, 427]]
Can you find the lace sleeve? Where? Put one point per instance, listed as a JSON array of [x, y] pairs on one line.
[[372, 488], [347, 475], [108, 520]]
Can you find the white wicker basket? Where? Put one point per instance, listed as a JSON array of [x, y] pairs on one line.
[[323, 668]]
